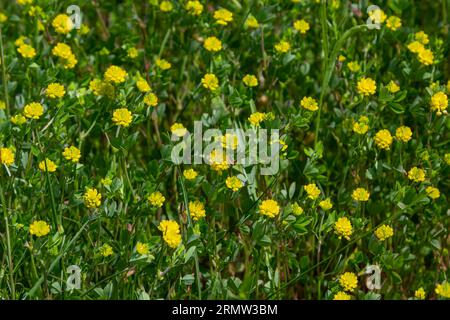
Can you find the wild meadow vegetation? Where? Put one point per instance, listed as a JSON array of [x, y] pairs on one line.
[[93, 207]]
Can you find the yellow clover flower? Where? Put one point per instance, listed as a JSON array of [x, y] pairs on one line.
[[55, 90], [360, 194], [384, 232], [343, 228], [212, 44], [151, 100], [301, 26], [223, 16], [416, 174], [62, 24], [47, 165], [39, 228], [312, 191], [433, 192], [122, 117], [142, 248], [6, 156], [196, 210], [115, 74], [171, 232], [309, 103], [348, 281], [269, 208], [194, 8], [439, 103], [234, 183], [393, 23], [366, 86], [383, 139], [210, 81], [156, 199], [282, 46], [72, 153], [190, 174], [250, 80], [403, 134], [92, 198], [26, 51]]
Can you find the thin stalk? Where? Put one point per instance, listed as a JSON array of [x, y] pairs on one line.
[[56, 221], [186, 204], [8, 245], [4, 80]]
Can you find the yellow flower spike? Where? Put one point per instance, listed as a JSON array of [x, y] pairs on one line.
[[326, 204], [353, 66], [426, 57], [166, 6], [443, 289], [251, 22], [393, 87]]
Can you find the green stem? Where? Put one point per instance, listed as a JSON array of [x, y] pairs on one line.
[[329, 60], [56, 221], [186, 204], [8, 245], [5, 82]]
